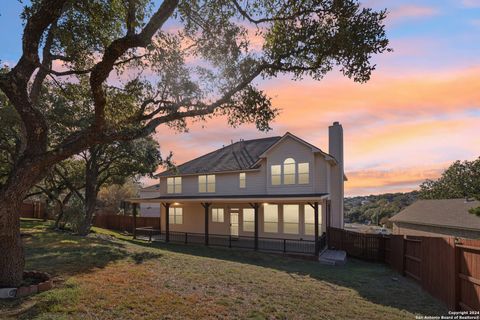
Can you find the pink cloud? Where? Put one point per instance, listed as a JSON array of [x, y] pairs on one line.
[[405, 12], [471, 3]]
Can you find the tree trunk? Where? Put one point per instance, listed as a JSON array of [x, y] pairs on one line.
[[91, 192], [61, 207], [12, 261]]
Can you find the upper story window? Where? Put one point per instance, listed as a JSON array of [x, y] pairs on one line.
[[289, 171], [175, 215], [242, 176], [303, 173], [174, 185], [276, 172], [206, 183], [217, 215]]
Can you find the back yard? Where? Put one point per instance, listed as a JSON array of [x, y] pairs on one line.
[[108, 276]]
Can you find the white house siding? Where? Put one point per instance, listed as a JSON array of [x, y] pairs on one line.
[[290, 148], [259, 181], [321, 174]]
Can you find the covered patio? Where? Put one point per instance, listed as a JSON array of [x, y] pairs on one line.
[[241, 221]]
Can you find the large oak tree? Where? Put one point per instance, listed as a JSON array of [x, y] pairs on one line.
[[162, 63]]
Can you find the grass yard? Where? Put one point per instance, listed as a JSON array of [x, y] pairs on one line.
[[108, 276]]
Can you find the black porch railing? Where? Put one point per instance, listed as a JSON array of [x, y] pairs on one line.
[[297, 246]]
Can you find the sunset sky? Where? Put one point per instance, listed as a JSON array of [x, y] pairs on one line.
[[418, 113]]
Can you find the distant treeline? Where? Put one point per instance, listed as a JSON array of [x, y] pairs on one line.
[[374, 208]]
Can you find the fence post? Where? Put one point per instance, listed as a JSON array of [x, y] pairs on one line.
[[230, 241], [186, 237], [404, 252], [457, 289], [134, 220], [284, 245]]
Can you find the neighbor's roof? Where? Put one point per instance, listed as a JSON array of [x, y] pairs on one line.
[[240, 155], [451, 213], [154, 187]]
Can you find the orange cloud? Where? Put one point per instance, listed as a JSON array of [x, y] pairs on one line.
[[365, 182], [400, 128]]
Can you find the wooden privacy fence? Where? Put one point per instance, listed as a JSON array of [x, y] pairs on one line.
[[124, 223], [447, 268], [33, 209]]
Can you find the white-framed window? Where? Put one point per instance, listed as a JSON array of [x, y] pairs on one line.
[[270, 218], [206, 183], [289, 171], [174, 185], [218, 215], [290, 218], [304, 173], [242, 176], [175, 215], [309, 215], [276, 174], [249, 220]]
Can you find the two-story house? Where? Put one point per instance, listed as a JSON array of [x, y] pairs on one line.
[[275, 188]]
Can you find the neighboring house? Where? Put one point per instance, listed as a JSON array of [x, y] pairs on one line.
[[438, 218], [269, 187]]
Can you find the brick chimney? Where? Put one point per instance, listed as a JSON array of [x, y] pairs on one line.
[[335, 149]]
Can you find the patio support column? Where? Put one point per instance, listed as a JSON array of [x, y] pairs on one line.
[[167, 222], [327, 224], [134, 213], [206, 206], [317, 244], [160, 220], [255, 207], [315, 221]]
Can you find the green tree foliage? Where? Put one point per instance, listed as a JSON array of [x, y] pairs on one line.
[[460, 180], [375, 208], [110, 197]]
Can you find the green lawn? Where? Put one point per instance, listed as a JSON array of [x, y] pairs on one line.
[[107, 276]]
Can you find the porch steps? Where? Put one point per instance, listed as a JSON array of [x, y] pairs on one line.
[[333, 257]]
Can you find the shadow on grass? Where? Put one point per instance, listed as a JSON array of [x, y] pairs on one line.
[[373, 281], [63, 253]]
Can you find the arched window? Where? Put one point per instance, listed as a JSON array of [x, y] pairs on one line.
[[289, 171]]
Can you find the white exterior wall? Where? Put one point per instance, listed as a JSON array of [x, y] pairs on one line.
[[259, 181], [325, 177]]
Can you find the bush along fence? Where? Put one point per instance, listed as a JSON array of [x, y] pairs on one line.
[[447, 268]]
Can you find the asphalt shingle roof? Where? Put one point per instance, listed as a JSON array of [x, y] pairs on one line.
[[446, 212], [240, 155]]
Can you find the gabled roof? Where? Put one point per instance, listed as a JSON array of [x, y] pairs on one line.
[[452, 213], [294, 137], [240, 155]]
